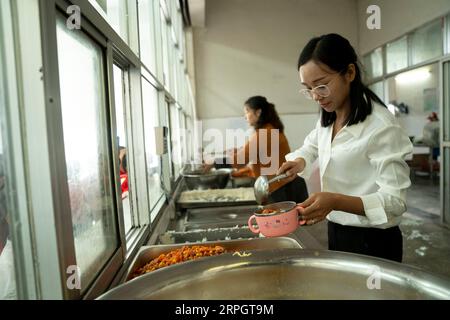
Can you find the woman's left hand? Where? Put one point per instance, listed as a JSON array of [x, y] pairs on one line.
[[316, 207]]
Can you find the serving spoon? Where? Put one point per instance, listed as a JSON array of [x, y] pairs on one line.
[[261, 187]]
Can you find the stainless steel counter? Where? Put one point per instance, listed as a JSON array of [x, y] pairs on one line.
[[274, 270], [222, 223]]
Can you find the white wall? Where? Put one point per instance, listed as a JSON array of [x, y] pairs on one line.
[[251, 47], [297, 127], [397, 18]]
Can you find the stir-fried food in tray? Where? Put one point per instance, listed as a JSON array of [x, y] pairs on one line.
[[179, 255]]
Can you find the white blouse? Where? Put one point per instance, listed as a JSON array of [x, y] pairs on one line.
[[364, 160]]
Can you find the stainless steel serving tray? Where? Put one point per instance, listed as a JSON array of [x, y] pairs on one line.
[[193, 205], [204, 218], [148, 253], [286, 274], [184, 203]]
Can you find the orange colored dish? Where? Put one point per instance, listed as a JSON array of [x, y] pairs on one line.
[[269, 211], [177, 256]]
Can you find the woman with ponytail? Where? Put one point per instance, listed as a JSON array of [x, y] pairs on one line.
[[360, 149], [266, 149]]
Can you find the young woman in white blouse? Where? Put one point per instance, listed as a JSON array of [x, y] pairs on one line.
[[360, 149]]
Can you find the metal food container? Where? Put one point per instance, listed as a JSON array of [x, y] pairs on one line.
[[216, 198], [286, 274], [197, 179], [148, 253]]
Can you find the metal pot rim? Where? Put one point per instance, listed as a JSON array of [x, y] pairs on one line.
[[208, 174], [288, 206]]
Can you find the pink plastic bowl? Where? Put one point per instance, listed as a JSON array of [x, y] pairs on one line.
[[276, 224]]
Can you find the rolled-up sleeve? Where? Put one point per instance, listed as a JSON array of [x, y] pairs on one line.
[[309, 152], [387, 149]]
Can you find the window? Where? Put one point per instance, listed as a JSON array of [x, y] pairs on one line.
[[119, 98], [176, 90], [183, 136], [150, 108], [175, 140], [189, 139], [397, 55], [378, 89], [165, 49], [121, 15], [446, 103], [426, 42], [447, 34], [147, 34], [117, 13], [7, 272], [82, 89], [446, 184], [374, 64]]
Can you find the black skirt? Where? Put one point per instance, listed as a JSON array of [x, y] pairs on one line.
[[382, 243]]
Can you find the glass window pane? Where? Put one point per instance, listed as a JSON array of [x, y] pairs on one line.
[[426, 43], [82, 88], [175, 74], [373, 64], [150, 107], [116, 12], [167, 119], [446, 185], [378, 89], [446, 106], [189, 138], [119, 90], [122, 16], [397, 55], [183, 137], [147, 32], [7, 272], [448, 34], [165, 47], [175, 140]]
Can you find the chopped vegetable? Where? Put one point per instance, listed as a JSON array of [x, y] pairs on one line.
[[183, 254]]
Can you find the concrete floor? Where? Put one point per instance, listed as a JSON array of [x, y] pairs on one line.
[[426, 241]]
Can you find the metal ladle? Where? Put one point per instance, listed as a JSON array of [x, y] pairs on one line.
[[261, 187]]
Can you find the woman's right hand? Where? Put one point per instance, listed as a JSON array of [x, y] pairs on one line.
[[292, 168]]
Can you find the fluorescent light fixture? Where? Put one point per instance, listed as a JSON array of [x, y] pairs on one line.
[[413, 76]]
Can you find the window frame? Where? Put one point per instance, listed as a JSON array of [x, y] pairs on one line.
[[445, 45], [48, 191], [26, 274], [112, 265]]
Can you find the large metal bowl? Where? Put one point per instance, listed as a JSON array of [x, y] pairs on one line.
[[286, 274], [198, 180]]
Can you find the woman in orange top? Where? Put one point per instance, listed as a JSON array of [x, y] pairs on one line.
[[266, 149]]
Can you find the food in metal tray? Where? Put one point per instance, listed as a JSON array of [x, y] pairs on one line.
[[217, 195], [182, 254]]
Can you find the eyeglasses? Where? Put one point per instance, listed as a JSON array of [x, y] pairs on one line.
[[322, 91]]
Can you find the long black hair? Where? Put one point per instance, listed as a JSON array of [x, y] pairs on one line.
[[268, 112], [337, 53]]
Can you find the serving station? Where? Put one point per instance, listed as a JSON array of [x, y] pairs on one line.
[[251, 266]]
